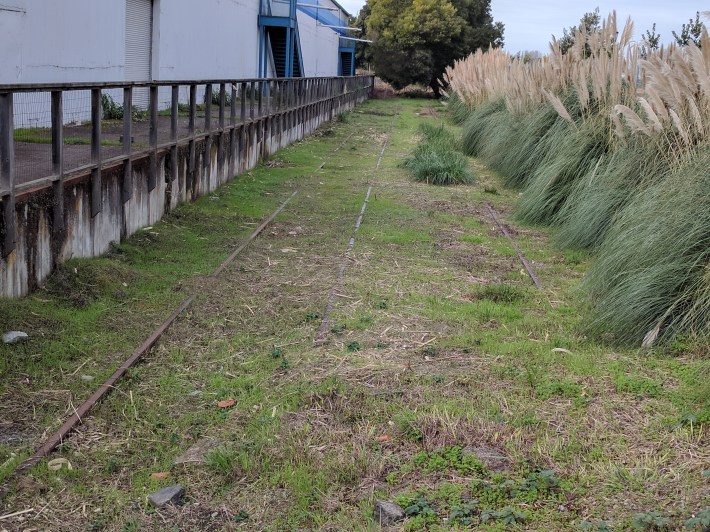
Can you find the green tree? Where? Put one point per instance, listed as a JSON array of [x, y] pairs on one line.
[[415, 40], [590, 22], [363, 51], [690, 32], [651, 41]]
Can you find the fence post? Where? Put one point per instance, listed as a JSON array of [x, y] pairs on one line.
[[153, 139], [127, 189], [251, 100], [220, 144], [174, 110], [7, 173], [57, 166], [244, 102], [207, 157], [95, 152], [192, 155], [232, 131]]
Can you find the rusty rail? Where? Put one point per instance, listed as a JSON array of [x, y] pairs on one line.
[[505, 231], [323, 329]]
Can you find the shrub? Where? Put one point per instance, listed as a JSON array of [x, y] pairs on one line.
[[435, 159]]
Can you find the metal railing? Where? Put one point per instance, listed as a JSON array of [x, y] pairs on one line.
[[112, 124]]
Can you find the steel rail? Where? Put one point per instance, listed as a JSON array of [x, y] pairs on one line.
[[322, 330], [505, 231], [75, 419], [61, 434]]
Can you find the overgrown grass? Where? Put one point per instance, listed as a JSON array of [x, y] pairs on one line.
[[436, 159], [439, 352]]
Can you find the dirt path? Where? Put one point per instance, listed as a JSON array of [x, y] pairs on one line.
[[445, 380]]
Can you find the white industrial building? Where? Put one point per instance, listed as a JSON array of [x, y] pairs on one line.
[[68, 41]]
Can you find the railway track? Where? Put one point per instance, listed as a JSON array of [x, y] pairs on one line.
[[75, 419]]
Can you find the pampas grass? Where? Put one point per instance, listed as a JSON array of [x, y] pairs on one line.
[[611, 149]]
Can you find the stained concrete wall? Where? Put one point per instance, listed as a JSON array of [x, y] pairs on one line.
[[40, 247]]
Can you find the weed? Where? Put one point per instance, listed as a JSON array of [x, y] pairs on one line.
[[430, 351], [418, 507], [599, 526], [507, 515], [365, 320], [700, 520], [465, 513], [276, 352], [491, 190], [558, 387], [110, 109], [111, 465], [381, 345], [650, 521], [241, 516], [222, 460], [381, 304], [285, 364], [353, 346], [312, 316], [501, 293], [542, 481], [446, 459], [640, 386], [338, 328]]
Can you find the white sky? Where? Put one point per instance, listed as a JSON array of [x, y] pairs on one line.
[[529, 25]]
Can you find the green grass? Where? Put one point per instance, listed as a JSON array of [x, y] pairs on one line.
[[436, 160], [44, 136], [437, 345]]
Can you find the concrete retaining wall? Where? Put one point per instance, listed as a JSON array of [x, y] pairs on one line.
[[40, 247]]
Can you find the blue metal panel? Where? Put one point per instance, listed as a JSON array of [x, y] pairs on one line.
[[279, 22]]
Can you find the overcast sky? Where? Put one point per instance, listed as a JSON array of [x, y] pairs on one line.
[[529, 25]]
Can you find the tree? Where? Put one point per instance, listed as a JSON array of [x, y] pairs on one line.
[[651, 41], [415, 40], [590, 22], [691, 32], [363, 51]]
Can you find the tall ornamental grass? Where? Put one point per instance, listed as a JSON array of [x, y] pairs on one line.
[[608, 143]]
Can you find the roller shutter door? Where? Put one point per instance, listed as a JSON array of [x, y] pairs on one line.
[[139, 46]]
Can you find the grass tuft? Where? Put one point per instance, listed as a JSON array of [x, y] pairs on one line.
[[436, 160]]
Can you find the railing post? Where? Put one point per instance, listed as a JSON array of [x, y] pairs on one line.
[[95, 152], [232, 131], [244, 102], [57, 166], [207, 158], [153, 139], [220, 145], [127, 189], [192, 155], [174, 110], [268, 97], [251, 100], [261, 97], [7, 173]]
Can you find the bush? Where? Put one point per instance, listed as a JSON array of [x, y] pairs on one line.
[[435, 159]]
